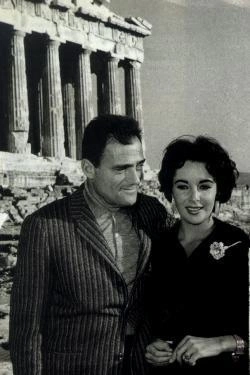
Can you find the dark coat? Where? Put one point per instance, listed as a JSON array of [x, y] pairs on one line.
[[69, 303], [202, 296]]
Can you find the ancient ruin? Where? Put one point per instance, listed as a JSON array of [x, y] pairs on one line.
[[61, 63]]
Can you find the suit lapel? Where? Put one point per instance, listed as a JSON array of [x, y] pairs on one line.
[[145, 241], [88, 228]]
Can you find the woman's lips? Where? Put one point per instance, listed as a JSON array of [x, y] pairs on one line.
[[194, 210]]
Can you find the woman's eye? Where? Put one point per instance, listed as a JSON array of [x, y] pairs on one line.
[[205, 187], [182, 187]]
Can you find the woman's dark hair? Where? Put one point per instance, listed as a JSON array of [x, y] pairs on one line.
[[201, 149], [103, 128]]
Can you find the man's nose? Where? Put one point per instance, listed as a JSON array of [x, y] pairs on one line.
[[133, 176]]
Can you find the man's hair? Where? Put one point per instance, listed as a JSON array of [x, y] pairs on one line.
[[200, 149], [102, 129]]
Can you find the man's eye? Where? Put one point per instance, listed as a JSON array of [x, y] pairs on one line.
[[139, 167], [119, 169]]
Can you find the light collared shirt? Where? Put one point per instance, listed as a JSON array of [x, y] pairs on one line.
[[116, 226]]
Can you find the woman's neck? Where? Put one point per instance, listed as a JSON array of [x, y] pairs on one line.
[[190, 236]]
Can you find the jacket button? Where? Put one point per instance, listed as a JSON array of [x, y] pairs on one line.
[[120, 357]]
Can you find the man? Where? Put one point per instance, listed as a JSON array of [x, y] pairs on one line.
[[79, 293]]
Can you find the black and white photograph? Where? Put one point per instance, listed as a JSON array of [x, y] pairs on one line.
[[124, 187]]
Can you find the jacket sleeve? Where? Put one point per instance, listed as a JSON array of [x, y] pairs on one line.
[[28, 298]]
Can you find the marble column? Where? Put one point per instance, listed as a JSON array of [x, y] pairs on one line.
[[133, 91], [18, 96], [69, 119], [84, 108], [112, 87], [53, 130], [40, 107]]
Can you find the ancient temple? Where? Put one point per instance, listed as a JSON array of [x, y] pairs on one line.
[[61, 63]]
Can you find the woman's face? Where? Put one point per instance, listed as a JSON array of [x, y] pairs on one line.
[[194, 191]]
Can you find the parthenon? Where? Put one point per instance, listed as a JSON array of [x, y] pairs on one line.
[[61, 63]]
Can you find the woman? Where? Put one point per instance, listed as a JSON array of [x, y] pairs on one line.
[[200, 267]]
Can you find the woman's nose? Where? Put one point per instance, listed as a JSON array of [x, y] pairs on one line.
[[195, 195]]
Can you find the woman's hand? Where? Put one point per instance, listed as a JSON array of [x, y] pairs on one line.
[[192, 348], [158, 353]]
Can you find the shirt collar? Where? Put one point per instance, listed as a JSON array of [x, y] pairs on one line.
[[97, 205]]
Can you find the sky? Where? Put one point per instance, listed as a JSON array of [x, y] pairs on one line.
[[196, 72]]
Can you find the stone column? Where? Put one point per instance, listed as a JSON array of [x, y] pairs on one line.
[[133, 91], [18, 96], [40, 107], [69, 119], [53, 130], [112, 88], [84, 109]]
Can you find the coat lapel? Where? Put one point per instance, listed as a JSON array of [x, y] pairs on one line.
[[88, 228], [145, 241]]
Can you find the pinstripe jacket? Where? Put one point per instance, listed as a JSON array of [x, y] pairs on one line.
[[69, 302]]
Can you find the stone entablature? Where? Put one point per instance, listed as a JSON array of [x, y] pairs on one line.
[[90, 25]]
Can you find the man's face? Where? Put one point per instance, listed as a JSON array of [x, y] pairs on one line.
[[117, 178]]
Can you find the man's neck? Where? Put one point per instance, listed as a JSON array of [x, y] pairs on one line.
[[97, 200]]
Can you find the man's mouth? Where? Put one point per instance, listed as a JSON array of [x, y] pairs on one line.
[[131, 189]]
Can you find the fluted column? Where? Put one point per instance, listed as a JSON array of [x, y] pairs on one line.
[[18, 96], [69, 119], [133, 91], [84, 108], [53, 130], [112, 87]]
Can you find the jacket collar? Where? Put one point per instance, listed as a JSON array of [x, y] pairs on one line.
[[88, 228]]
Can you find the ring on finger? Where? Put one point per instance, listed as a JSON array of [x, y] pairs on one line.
[[186, 357]]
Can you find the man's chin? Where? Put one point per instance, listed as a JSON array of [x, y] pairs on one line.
[[129, 201]]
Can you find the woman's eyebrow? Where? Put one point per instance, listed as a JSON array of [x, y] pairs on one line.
[[184, 181], [200, 182], [207, 180]]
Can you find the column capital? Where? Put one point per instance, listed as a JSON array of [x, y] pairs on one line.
[[113, 57], [87, 50], [134, 64], [17, 32], [54, 40]]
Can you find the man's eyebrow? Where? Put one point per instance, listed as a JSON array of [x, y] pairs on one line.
[[129, 164]]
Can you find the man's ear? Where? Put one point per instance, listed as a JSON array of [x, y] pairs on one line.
[[88, 168]]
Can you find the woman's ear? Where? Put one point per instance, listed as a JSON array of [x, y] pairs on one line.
[[216, 209], [88, 168]]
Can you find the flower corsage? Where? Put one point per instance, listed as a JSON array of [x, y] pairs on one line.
[[218, 249]]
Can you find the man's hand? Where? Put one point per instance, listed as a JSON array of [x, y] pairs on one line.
[[158, 353]]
